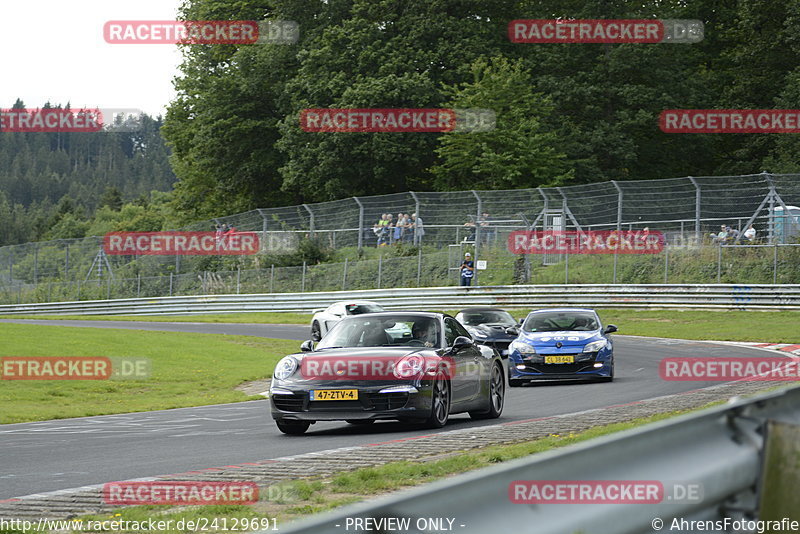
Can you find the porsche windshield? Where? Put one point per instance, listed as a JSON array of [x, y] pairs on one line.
[[391, 331], [561, 321], [487, 317]]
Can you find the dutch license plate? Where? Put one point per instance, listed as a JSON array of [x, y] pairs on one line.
[[333, 394], [559, 359]]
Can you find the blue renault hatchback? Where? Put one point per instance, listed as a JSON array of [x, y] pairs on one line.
[[562, 343]]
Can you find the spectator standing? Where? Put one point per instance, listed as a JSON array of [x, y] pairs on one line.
[[750, 234], [408, 232], [467, 270], [399, 228], [487, 233], [471, 226], [389, 228], [419, 229]]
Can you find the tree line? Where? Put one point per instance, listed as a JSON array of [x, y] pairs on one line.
[[566, 113], [53, 184]]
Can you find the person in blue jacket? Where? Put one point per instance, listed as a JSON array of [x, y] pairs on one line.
[[467, 270]]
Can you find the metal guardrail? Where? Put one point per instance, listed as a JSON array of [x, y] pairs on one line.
[[662, 296], [720, 449]]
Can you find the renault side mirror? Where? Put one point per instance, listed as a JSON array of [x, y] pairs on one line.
[[610, 329]]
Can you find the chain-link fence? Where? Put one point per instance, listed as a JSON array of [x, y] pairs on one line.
[[444, 225]]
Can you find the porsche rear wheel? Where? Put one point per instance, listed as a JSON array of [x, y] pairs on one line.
[[497, 395]]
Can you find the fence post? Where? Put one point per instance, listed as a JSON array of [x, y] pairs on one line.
[[619, 225], [719, 263], [264, 227], [344, 276], [310, 220], [303, 280], [380, 269], [138, 285], [271, 278], [66, 263], [775, 264], [360, 223], [771, 235], [10, 266], [78, 297], [566, 268], [35, 263], [108, 288], [477, 235], [416, 210], [419, 266], [170, 284], [666, 262], [238, 278], [697, 199]]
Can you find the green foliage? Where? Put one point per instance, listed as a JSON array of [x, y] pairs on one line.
[[518, 152], [44, 176]]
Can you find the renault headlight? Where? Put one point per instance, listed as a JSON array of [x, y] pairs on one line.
[[595, 346], [285, 368], [521, 347]]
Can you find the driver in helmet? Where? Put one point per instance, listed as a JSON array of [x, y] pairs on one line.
[[425, 331]]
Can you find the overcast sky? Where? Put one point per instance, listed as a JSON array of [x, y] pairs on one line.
[[54, 51]]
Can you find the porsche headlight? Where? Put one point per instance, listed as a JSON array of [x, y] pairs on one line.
[[594, 346], [285, 368], [409, 366], [521, 347]]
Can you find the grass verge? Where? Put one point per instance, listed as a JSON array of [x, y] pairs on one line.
[[186, 370], [254, 317]]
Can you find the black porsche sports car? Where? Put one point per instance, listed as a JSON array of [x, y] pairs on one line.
[[361, 371], [492, 327]]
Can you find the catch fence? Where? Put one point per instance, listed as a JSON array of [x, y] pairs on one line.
[[687, 210]]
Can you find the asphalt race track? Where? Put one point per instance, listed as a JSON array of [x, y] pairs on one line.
[[52, 455]]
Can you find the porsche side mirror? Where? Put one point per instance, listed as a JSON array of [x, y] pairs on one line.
[[462, 342], [307, 345], [610, 328]]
